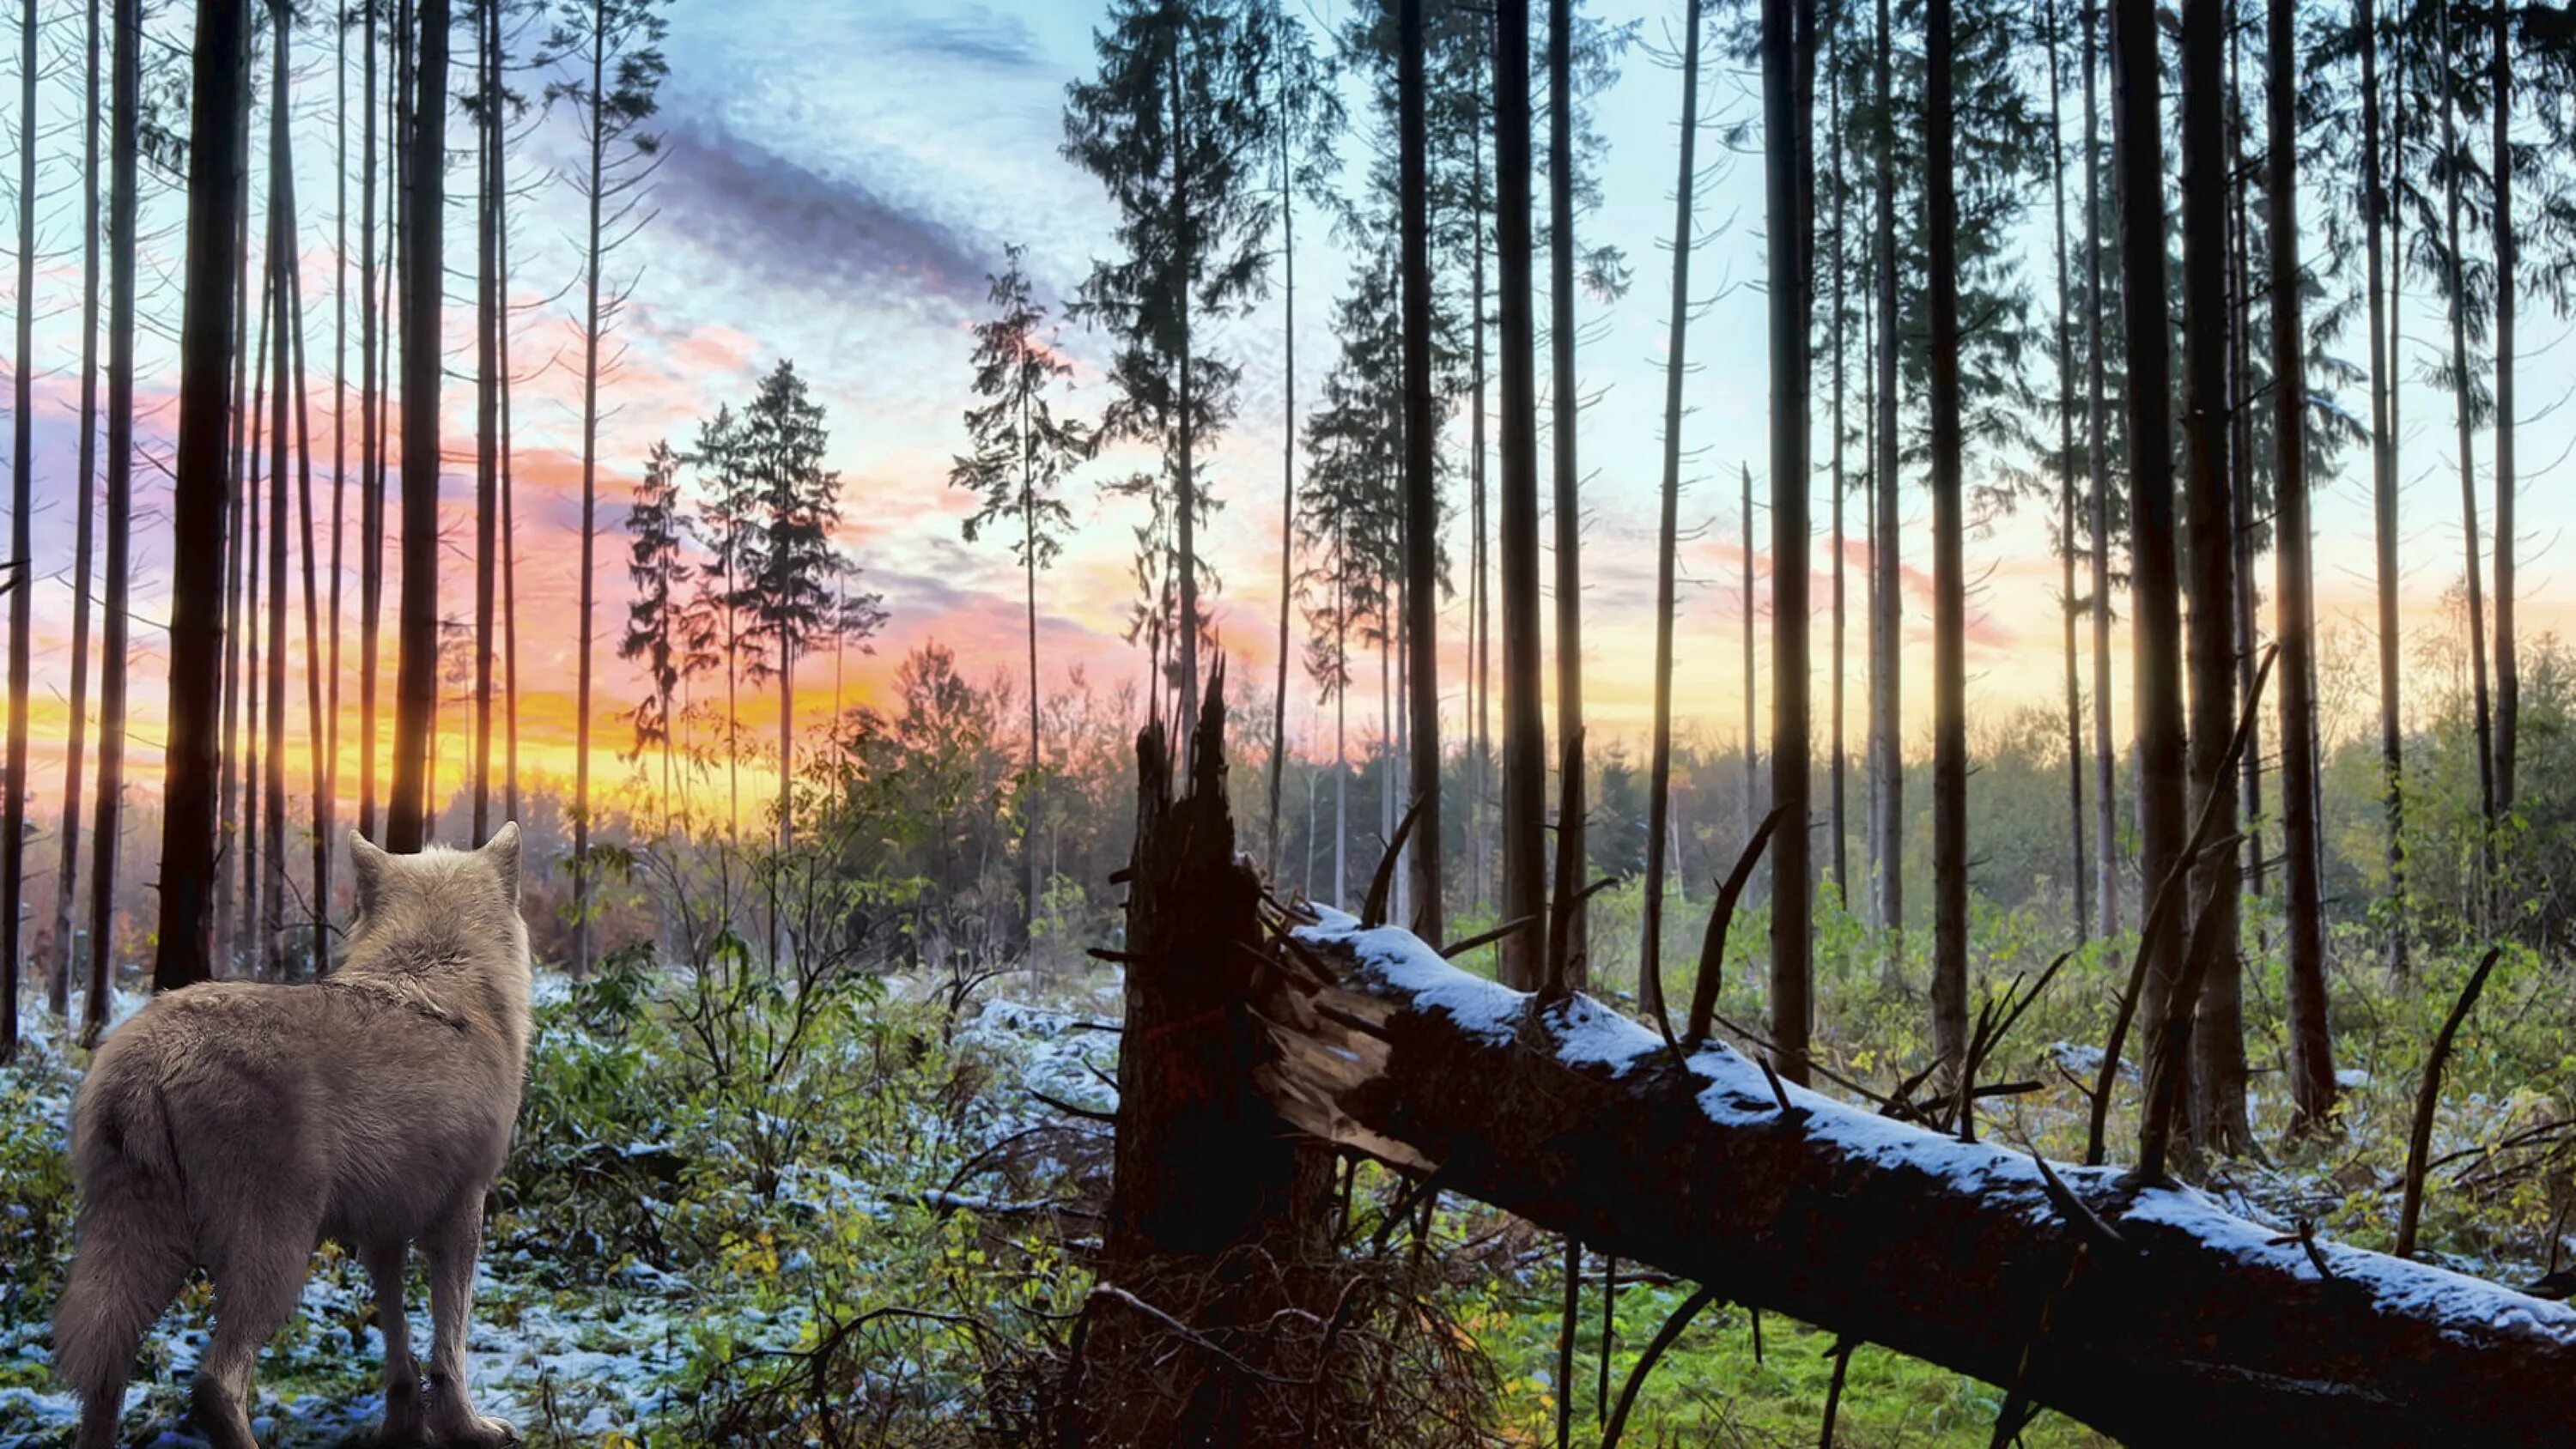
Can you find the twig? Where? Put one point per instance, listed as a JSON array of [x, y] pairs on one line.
[[1834, 1391], [2170, 894], [1712, 949], [1664, 1338], [2419, 1141], [1456, 949], [1373, 910]]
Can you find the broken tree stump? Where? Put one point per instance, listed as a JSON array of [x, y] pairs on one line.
[[1219, 1230]]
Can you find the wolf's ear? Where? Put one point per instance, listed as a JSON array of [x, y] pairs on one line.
[[503, 851], [367, 868]]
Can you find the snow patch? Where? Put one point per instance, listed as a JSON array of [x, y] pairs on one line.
[[1486, 1009], [1738, 1094]]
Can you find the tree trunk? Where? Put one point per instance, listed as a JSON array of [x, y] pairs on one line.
[[416, 684], [1287, 493], [2508, 673], [67, 861], [1788, 30], [1204, 1168], [21, 576], [1572, 810], [318, 905], [1668, 532], [1481, 763], [487, 407], [2218, 1047], [371, 461], [2154, 586], [281, 268], [1752, 691], [219, 99], [254, 386], [1887, 599], [329, 789], [2379, 215], [593, 320], [2079, 860], [2106, 795], [1524, 815], [1185, 479], [1837, 127], [1949, 579], [2146, 1313], [2480, 909], [1421, 485], [2311, 1054]]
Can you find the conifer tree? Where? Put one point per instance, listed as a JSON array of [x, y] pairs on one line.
[[611, 53], [1173, 127], [1022, 454]]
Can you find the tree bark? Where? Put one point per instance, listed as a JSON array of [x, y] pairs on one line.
[[2078, 859], [1204, 1168], [592, 322], [371, 450], [487, 406], [1421, 486], [67, 862], [219, 98], [2480, 909], [2379, 217], [1524, 813], [2154, 586], [2106, 794], [1659, 769], [1949, 578], [2311, 1048], [2508, 673], [416, 681], [1887, 597], [1571, 812], [2147, 1313], [22, 488], [1788, 34], [2216, 1046]]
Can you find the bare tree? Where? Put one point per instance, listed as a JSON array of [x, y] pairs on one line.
[[2311, 1055], [19, 578], [2217, 1037], [416, 670], [1887, 599], [1524, 808], [1667, 537], [619, 42], [219, 98], [1421, 480], [1949, 579], [2377, 218], [1788, 63], [2155, 611], [67, 863]]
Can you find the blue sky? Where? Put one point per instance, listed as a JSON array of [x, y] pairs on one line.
[[841, 177]]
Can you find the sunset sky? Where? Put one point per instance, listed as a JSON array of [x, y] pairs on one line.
[[840, 180]]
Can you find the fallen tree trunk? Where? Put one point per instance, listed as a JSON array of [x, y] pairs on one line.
[[2147, 1312]]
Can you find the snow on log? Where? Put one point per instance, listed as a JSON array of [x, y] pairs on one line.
[[2149, 1313]]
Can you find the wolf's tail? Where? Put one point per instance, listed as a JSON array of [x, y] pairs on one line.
[[134, 1234]]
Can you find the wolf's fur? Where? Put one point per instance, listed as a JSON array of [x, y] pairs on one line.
[[233, 1126]]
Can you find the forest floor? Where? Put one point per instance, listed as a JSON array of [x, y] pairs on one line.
[[735, 1217]]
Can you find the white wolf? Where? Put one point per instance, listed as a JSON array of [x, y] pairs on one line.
[[233, 1126]]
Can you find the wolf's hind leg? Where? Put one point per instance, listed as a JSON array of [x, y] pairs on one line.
[[256, 1286], [130, 1265], [385, 1263], [450, 1245]]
